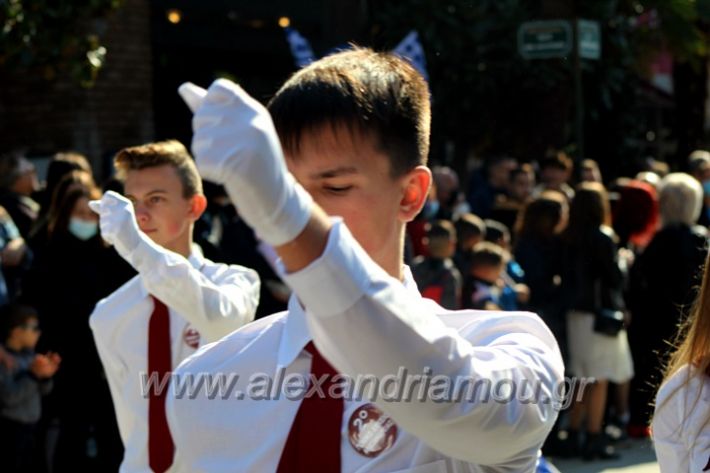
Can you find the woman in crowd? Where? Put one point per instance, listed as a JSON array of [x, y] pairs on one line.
[[75, 271], [592, 281]]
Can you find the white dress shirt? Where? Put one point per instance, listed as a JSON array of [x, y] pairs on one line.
[[366, 322], [205, 301], [681, 423]]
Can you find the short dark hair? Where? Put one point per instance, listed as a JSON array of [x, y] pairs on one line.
[[487, 254], [522, 168], [378, 94], [440, 229], [171, 153], [496, 230], [558, 160], [469, 225], [15, 315]]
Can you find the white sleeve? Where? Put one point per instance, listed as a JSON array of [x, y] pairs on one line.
[[216, 304], [367, 323], [668, 426], [114, 367]]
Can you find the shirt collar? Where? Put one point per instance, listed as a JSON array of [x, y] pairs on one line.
[[296, 335]]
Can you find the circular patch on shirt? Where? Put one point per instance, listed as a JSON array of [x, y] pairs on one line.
[[371, 431], [191, 337]]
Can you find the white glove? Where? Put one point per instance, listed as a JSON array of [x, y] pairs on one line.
[[117, 221], [235, 144]]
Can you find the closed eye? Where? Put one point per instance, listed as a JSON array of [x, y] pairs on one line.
[[337, 190]]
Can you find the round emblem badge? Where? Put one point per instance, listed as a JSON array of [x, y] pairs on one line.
[[191, 337], [371, 431]]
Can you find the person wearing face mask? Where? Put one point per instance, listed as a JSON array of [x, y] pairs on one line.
[[73, 272]]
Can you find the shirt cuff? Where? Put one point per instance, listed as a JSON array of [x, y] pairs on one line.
[[335, 281]]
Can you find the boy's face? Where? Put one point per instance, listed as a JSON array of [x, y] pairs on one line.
[[488, 273], [522, 186], [554, 177], [348, 176], [161, 210], [27, 334]]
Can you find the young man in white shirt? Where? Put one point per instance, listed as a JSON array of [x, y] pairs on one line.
[[355, 129], [178, 301]]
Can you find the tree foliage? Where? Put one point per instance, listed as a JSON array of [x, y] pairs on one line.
[[54, 37], [488, 98]]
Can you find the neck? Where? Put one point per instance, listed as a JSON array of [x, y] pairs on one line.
[[393, 261], [182, 245]]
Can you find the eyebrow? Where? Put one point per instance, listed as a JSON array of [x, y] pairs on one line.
[[156, 191], [335, 172]]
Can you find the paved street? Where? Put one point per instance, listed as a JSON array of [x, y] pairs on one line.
[[637, 457]]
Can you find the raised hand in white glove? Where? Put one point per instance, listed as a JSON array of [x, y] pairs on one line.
[[117, 221], [235, 144]]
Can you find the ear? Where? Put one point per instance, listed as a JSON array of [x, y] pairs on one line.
[[198, 205], [416, 184]]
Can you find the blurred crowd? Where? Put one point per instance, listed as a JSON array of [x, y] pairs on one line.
[[536, 236]]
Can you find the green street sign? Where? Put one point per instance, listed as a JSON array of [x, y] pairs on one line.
[[589, 43], [545, 39]]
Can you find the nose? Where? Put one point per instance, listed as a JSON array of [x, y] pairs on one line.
[[142, 214]]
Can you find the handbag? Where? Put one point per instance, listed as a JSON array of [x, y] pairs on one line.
[[608, 322]]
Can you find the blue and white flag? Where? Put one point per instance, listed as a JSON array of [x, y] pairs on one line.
[[411, 49], [300, 48]]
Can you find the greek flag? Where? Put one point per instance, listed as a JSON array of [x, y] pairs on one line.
[[300, 48], [411, 49]]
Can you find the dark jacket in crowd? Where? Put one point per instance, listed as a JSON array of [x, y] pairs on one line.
[[661, 289], [439, 280], [592, 278]]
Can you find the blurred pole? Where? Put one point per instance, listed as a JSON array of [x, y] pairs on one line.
[[578, 96]]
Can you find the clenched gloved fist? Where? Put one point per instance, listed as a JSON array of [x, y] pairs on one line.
[[117, 221], [235, 144]]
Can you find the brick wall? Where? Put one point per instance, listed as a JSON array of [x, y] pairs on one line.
[[45, 116]]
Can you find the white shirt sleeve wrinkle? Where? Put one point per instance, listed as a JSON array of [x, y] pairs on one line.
[[378, 327], [216, 299]]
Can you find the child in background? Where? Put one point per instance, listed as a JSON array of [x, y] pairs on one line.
[[487, 269], [22, 386], [516, 293], [436, 275], [470, 230]]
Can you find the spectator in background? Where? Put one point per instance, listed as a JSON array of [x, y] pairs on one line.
[[592, 280], [416, 229], [699, 168], [590, 172], [484, 189], [515, 292], [59, 166], [448, 194], [74, 272], [18, 181], [649, 177], [635, 215], [470, 230], [555, 173], [21, 388], [436, 275], [537, 250], [15, 258], [521, 184], [487, 268], [662, 286], [77, 179]]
